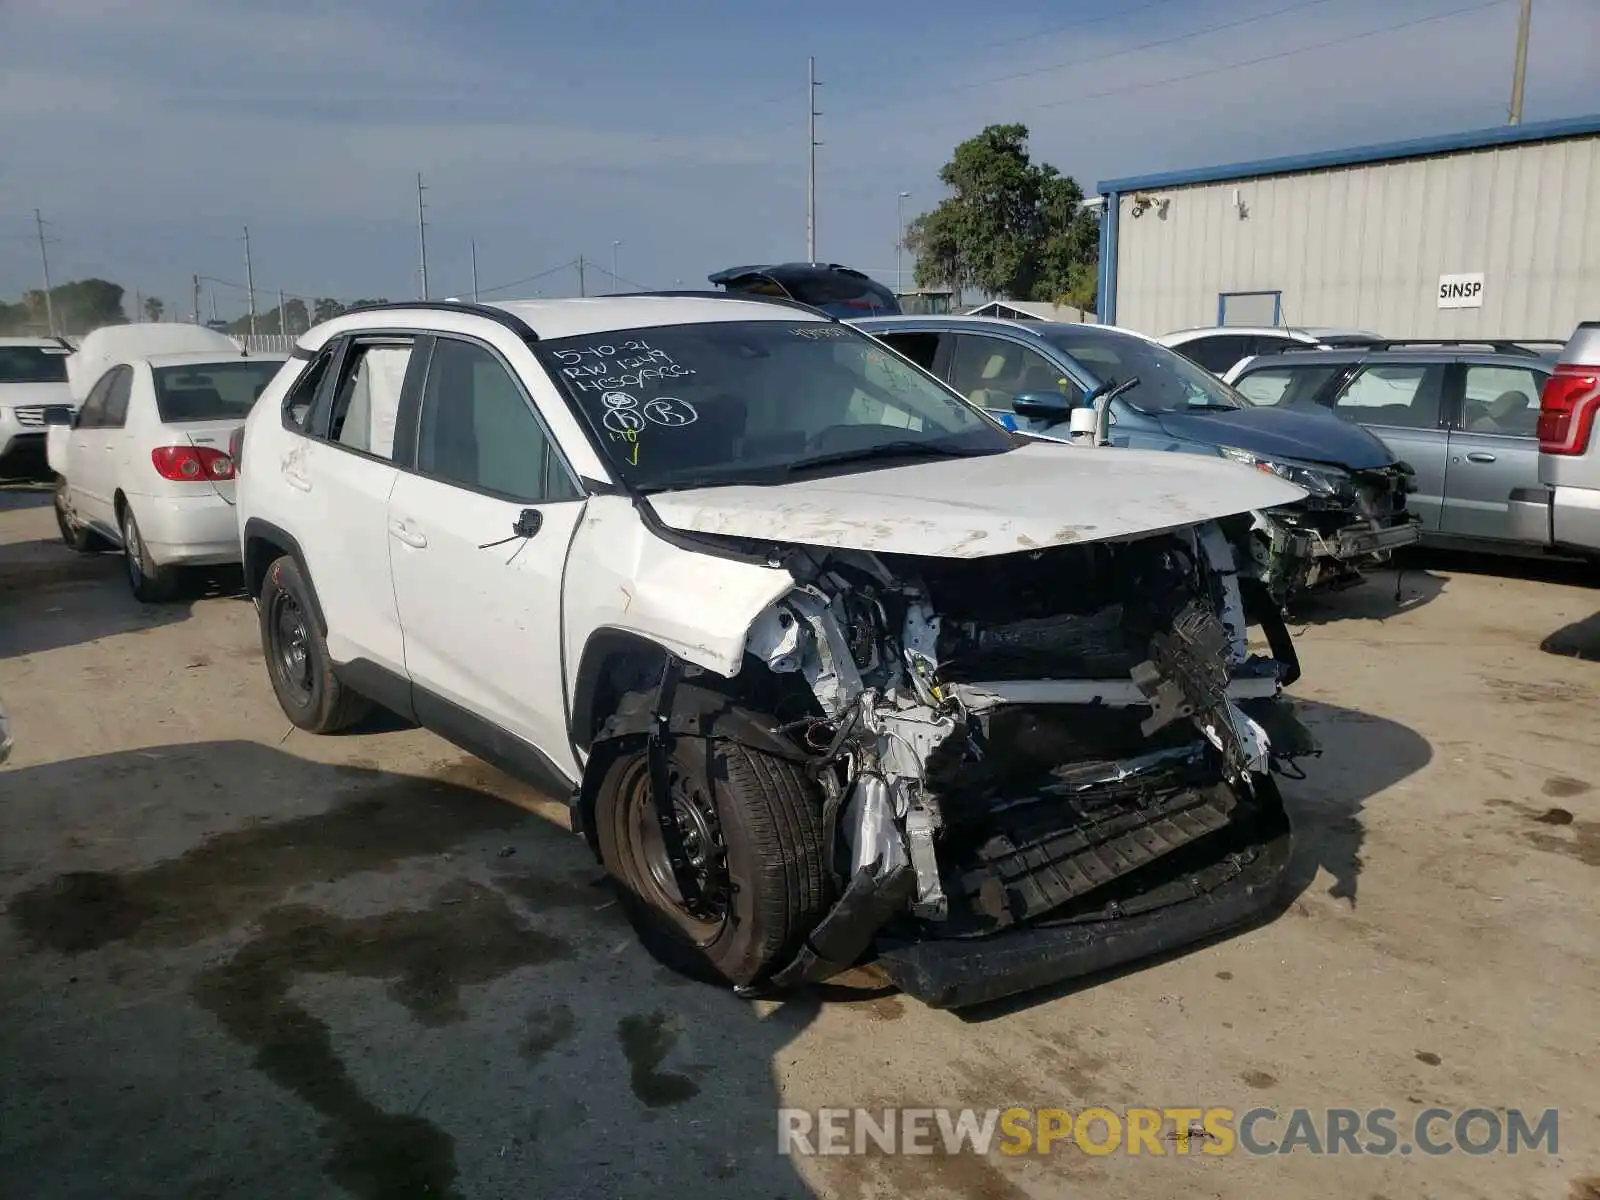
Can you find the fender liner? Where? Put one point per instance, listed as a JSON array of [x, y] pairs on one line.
[[257, 529]]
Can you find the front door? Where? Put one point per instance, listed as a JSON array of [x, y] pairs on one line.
[[480, 603], [1403, 404], [1494, 448]]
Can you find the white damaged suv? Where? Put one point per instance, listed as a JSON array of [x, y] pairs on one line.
[[831, 665]]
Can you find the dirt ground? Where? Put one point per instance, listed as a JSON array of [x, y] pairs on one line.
[[242, 961]]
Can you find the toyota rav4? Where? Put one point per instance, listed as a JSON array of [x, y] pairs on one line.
[[831, 665]]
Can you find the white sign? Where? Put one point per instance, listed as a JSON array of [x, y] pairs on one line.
[[1461, 291]]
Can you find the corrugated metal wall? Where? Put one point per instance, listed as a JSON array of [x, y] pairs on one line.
[[1364, 247]]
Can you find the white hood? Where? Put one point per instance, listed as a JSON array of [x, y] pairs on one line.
[[110, 345], [1036, 496]]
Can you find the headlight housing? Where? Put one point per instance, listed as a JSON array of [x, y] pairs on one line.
[[1327, 483]]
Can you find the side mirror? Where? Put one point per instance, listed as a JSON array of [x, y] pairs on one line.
[[60, 416], [1048, 406]]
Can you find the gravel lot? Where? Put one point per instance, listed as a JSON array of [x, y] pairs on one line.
[[239, 961]]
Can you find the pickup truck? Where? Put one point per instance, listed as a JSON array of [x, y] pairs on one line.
[[1563, 512]]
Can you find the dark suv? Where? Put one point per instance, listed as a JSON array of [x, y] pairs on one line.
[[1464, 414], [835, 290]]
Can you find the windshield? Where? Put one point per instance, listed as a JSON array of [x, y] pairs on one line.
[[1168, 382], [753, 401], [212, 391], [32, 364]]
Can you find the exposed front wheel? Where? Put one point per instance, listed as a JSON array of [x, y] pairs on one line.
[[297, 656], [751, 831], [151, 584]]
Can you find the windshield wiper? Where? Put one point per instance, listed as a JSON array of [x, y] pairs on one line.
[[1211, 406], [901, 449]]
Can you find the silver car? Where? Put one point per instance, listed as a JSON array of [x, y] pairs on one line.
[[1563, 511], [1465, 415]]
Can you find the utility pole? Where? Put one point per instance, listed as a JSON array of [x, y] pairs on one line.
[[475, 270], [422, 236], [44, 262], [214, 316], [581, 292], [614, 278], [283, 319], [1520, 74], [250, 280], [811, 170], [899, 247], [196, 299]]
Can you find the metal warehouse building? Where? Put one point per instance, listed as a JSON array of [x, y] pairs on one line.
[[1495, 232]]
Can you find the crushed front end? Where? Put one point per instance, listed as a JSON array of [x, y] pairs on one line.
[[1035, 765], [1349, 521]]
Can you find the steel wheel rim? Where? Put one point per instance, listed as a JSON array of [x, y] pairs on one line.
[[132, 549], [698, 825], [291, 649]]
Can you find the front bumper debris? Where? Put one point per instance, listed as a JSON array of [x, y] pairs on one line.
[[1243, 883]]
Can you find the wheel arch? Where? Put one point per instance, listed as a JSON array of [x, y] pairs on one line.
[[264, 543]]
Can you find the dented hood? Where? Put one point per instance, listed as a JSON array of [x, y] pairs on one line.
[[1039, 495]]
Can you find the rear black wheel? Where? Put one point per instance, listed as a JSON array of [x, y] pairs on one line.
[[297, 656], [151, 584], [751, 829]]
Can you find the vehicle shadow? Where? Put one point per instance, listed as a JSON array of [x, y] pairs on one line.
[[1580, 639], [1568, 571], [232, 972], [1362, 756], [97, 604], [1383, 594]]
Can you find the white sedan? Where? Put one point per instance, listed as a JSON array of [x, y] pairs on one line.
[[145, 465]]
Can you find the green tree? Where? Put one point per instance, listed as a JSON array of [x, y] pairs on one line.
[[80, 306], [154, 306], [1010, 226], [325, 309]]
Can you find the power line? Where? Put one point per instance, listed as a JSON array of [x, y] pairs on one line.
[[1166, 41], [529, 278], [1265, 58], [1346, 39]]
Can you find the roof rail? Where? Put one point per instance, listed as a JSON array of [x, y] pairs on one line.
[[754, 297], [1498, 345], [490, 312]]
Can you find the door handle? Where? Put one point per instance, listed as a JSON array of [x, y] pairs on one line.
[[1480, 456], [404, 531]]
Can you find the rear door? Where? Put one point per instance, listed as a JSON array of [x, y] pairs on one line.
[[1494, 445], [343, 474], [1403, 403], [97, 442]]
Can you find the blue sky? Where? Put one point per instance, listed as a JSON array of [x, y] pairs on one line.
[[150, 131]]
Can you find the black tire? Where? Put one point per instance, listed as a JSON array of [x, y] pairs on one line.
[[77, 537], [297, 655], [773, 877], [149, 583]]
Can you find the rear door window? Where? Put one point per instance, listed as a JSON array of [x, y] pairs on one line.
[[1501, 400], [920, 348], [367, 405], [117, 397], [1403, 395], [1216, 354], [1284, 386]]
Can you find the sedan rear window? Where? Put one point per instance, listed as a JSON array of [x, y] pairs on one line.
[[212, 391], [32, 364]]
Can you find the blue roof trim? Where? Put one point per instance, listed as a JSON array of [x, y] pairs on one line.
[[1477, 139]]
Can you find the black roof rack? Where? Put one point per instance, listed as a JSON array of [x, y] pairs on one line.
[[752, 297], [1498, 345], [499, 316]]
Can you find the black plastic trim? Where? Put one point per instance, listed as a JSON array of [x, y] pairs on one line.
[[256, 528], [703, 544], [488, 312], [379, 684], [958, 973], [491, 743]]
